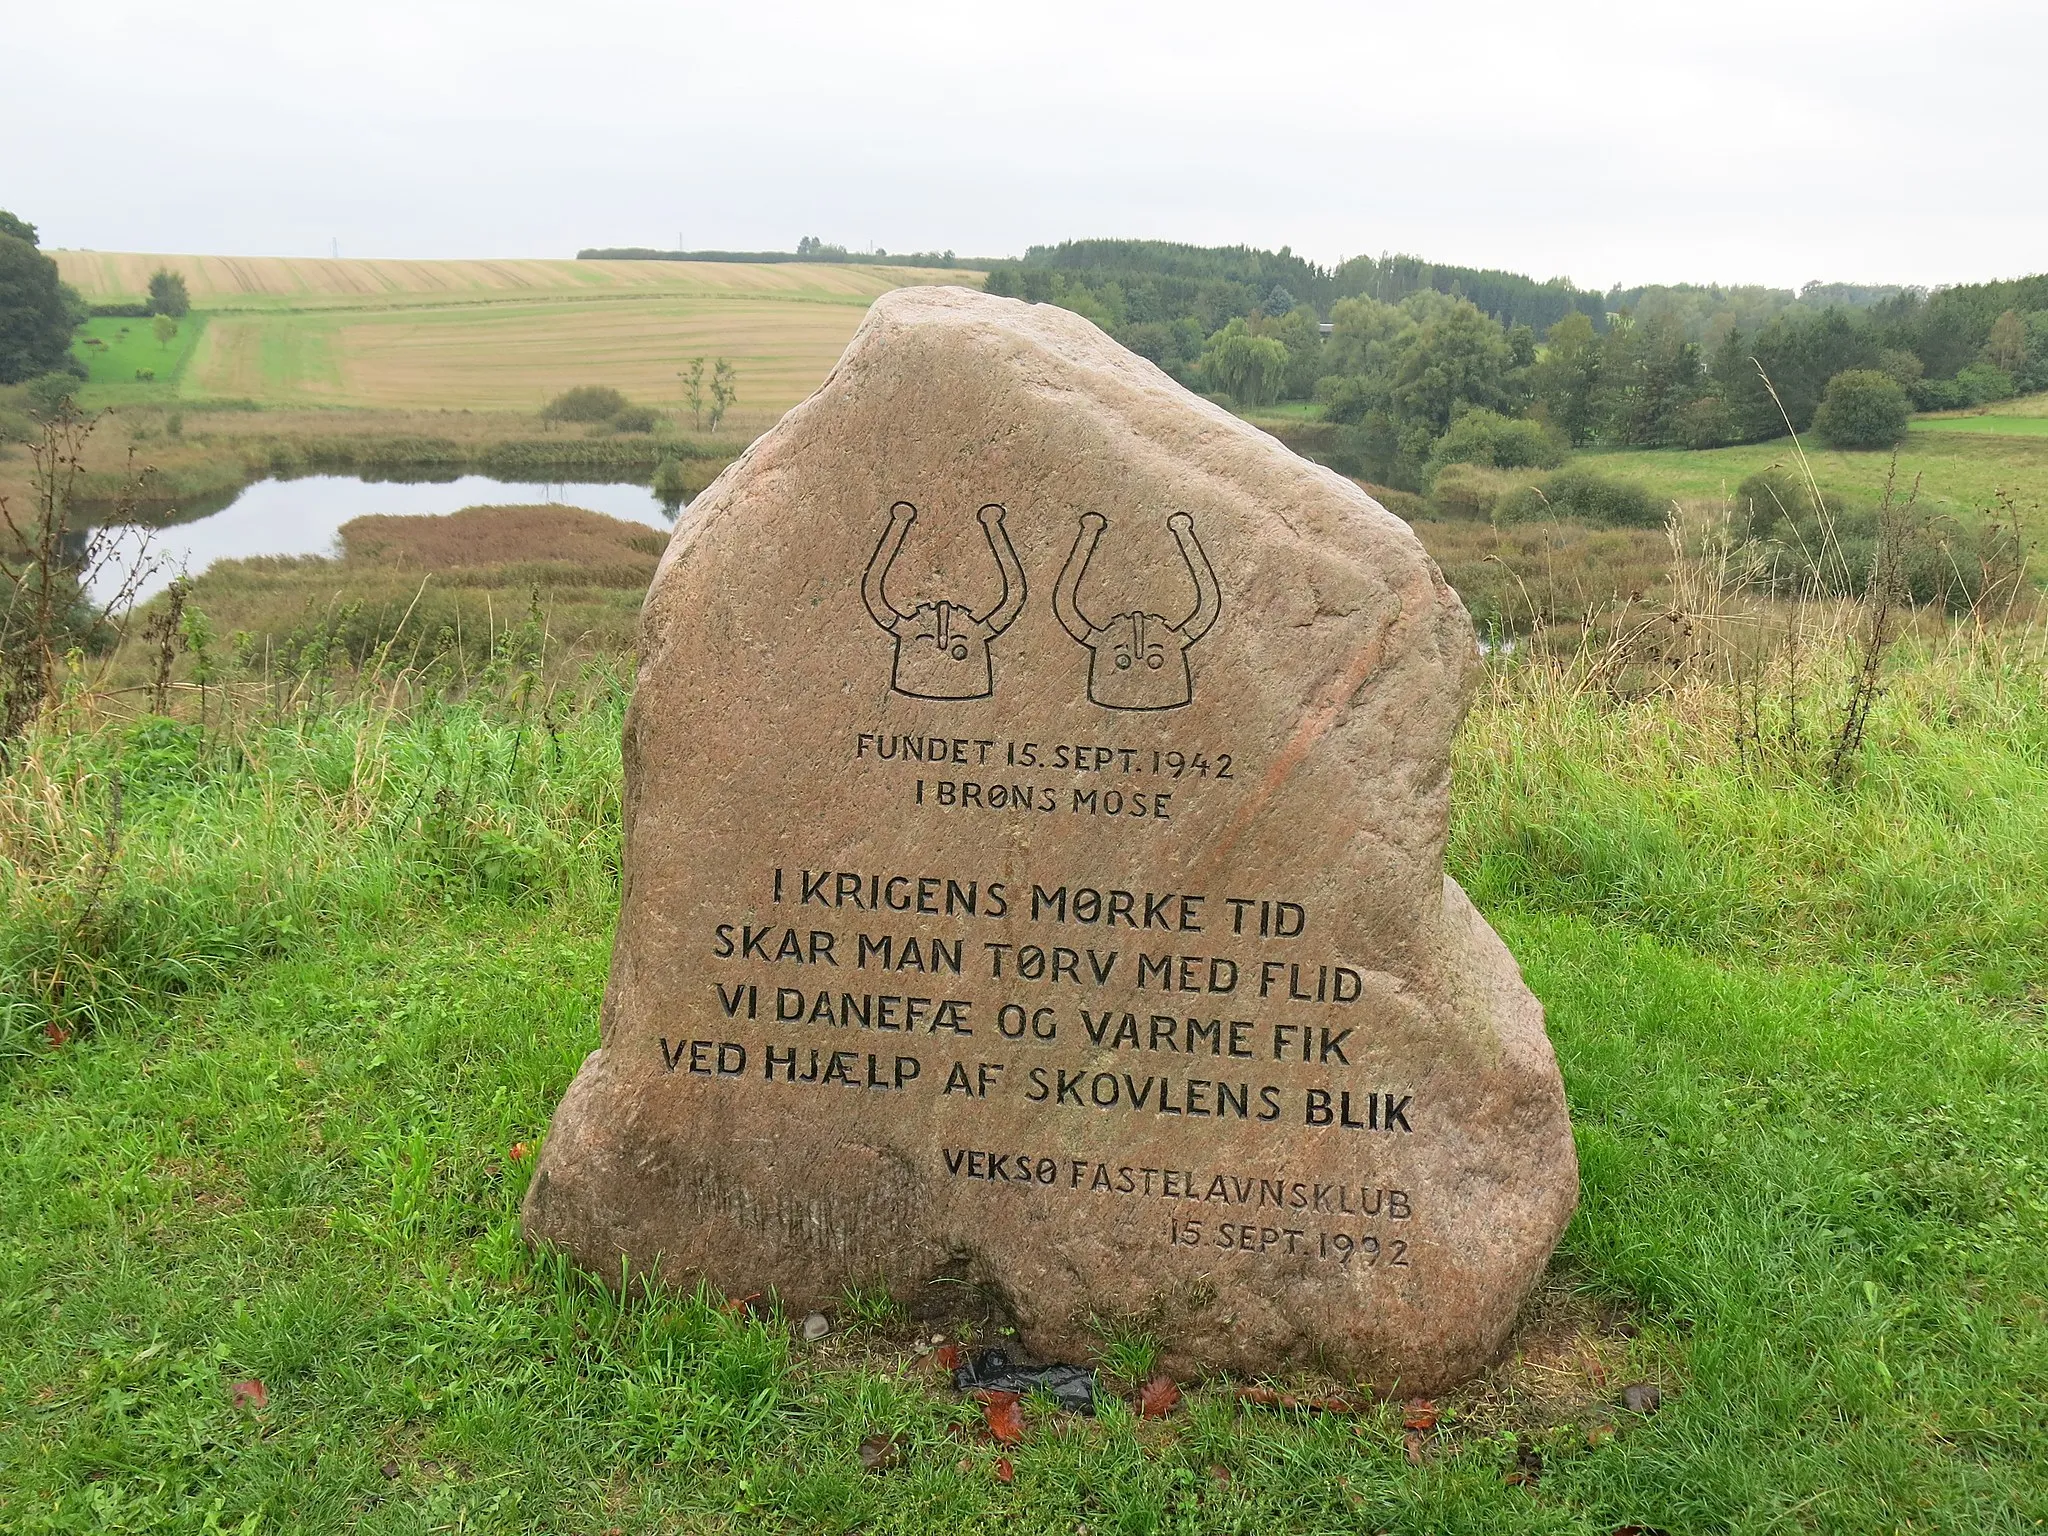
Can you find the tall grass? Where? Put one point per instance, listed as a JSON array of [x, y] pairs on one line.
[[145, 858]]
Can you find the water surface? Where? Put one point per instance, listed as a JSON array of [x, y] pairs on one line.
[[302, 516]]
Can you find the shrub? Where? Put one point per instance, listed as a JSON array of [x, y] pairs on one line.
[[1493, 441], [1583, 494], [1703, 423], [1986, 382], [1776, 501], [587, 402], [1471, 491], [636, 418], [46, 393], [1862, 408], [669, 483]]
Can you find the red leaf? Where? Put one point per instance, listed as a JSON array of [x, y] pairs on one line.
[[948, 1357], [1004, 1414], [1157, 1398], [1005, 1473], [249, 1394], [54, 1032], [1220, 1475], [1421, 1414], [739, 1306], [520, 1152]]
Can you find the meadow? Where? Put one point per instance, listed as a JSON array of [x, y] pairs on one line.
[[1960, 462]]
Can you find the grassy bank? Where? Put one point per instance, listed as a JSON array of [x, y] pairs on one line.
[[288, 1011], [199, 457]]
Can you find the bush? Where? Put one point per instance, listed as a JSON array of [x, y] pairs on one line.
[[1703, 423], [670, 484], [636, 418], [1777, 501], [588, 402], [1863, 408], [1584, 495], [46, 393], [1493, 441], [1471, 491], [1985, 382]]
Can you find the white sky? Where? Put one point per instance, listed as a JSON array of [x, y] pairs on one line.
[[1745, 141]]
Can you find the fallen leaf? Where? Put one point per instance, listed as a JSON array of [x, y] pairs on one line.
[[1411, 1443], [1220, 1475], [1596, 1370], [55, 1033], [390, 1470], [881, 1453], [1330, 1402], [1157, 1398], [1598, 1435], [1005, 1473], [739, 1306], [1421, 1414], [1642, 1397], [1004, 1414], [948, 1357], [520, 1152], [249, 1394]]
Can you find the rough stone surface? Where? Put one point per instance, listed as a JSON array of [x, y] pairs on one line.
[[1045, 885]]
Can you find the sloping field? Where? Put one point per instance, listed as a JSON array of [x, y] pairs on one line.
[[232, 282], [485, 335], [518, 356]]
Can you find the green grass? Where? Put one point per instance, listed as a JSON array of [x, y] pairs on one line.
[[1959, 472], [1989, 423], [129, 346], [343, 966]]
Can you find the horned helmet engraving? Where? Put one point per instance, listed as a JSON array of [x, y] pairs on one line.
[[941, 647], [1138, 660]]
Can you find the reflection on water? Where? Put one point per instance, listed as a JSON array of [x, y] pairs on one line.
[[301, 517]]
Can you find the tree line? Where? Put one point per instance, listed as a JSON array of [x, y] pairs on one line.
[[1396, 350]]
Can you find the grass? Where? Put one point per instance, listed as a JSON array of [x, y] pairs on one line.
[[322, 993], [2026, 416], [116, 350], [1960, 472]]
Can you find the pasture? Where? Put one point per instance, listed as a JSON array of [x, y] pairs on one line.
[[1961, 465], [119, 351], [488, 335]]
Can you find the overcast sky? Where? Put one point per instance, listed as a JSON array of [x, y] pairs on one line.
[[1777, 142]]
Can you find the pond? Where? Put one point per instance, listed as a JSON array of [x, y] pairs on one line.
[[302, 517]]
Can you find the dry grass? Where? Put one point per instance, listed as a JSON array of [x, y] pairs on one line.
[[496, 536], [1535, 575]]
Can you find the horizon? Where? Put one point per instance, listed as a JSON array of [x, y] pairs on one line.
[[974, 262]]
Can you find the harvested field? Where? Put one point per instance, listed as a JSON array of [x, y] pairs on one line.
[[290, 282], [519, 356], [499, 335]]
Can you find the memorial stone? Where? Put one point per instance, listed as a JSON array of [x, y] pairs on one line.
[[1036, 795]]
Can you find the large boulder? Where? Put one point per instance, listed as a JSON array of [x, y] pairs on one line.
[[1036, 794]]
